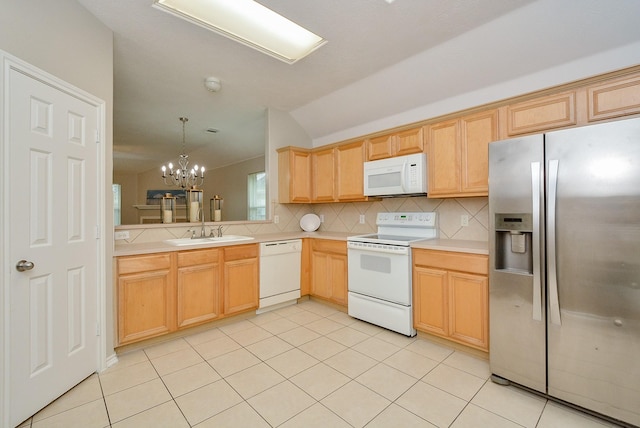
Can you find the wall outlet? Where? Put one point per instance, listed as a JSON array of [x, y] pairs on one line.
[[121, 234], [321, 218], [362, 220], [464, 220], [276, 219]]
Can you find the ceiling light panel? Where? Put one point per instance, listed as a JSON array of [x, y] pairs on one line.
[[249, 23]]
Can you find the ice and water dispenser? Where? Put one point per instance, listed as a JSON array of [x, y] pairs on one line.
[[514, 233]]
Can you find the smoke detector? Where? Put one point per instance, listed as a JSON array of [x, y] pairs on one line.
[[212, 84]]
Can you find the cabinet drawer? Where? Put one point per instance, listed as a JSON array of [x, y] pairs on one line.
[[238, 252], [135, 264], [328, 246], [197, 257], [461, 262]]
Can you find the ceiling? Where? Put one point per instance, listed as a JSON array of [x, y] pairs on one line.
[[160, 63]]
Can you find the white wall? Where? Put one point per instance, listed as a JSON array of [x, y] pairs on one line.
[[64, 39], [282, 131], [544, 44]]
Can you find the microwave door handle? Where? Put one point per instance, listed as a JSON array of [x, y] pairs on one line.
[[403, 176]]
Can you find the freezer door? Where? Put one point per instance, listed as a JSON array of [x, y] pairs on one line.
[[516, 251], [594, 329]]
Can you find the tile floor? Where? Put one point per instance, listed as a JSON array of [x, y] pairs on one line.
[[306, 365]]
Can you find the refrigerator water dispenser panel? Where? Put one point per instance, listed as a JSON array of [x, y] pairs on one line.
[[514, 233]]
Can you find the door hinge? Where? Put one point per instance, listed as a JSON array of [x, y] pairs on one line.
[[97, 232], [97, 329], [97, 136]]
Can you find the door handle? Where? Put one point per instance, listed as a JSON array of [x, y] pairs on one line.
[[24, 265], [537, 274], [554, 303]]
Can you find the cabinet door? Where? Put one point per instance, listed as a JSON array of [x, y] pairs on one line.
[[542, 114], [430, 300], [338, 278], [323, 175], [477, 132], [350, 171], [146, 296], [198, 297], [320, 285], [294, 175], [305, 268], [380, 147], [409, 141], [240, 287], [443, 158], [614, 98], [468, 306]]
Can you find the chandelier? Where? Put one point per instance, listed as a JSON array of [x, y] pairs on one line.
[[183, 177]]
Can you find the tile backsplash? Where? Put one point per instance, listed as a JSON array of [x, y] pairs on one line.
[[345, 217]]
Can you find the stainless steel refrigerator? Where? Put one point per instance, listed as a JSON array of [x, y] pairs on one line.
[[564, 247]]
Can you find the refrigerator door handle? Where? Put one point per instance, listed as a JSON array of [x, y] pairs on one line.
[[554, 305], [537, 281]]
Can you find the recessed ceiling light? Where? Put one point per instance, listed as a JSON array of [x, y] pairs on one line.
[[249, 23]]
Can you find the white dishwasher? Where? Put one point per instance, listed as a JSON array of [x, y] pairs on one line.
[[279, 273]]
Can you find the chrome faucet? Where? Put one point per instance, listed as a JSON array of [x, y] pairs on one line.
[[219, 231], [203, 234]]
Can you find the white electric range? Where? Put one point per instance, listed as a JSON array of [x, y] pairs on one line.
[[379, 269]]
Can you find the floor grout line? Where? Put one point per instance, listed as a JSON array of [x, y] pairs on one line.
[[360, 332]]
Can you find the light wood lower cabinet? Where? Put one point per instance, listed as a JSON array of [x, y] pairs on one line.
[[451, 296], [329, 270], [146, 296], [164, 292], [198, 296], [240, 285]]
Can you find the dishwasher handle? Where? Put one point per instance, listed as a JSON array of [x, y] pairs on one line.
[[280, 247]]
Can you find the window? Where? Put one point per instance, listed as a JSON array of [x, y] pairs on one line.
[[116, 205], [257, 195]]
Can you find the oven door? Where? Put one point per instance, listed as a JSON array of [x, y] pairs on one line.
[[380, 271]]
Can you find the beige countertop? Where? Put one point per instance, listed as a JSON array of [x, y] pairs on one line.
[[456, 245], [161, 246]]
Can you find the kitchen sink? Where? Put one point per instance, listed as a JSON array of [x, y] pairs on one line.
[[209, 240]]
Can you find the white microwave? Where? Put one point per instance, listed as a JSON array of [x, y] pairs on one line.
[[402, 175]]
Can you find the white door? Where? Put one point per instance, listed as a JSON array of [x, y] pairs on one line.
[[53, 218]]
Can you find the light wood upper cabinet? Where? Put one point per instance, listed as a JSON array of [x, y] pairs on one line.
[[478, 131], [323, 175], [380, 147], [349, 161], [451, 296], [409, 142], [397, 144], [458, 155], [444, 158], [614, 98], [294, 175], [542, 114], [146, 296], [198, 292], [240, 283], [329, 270]]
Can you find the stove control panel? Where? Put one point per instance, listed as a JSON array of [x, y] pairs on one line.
[[411, 219]]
